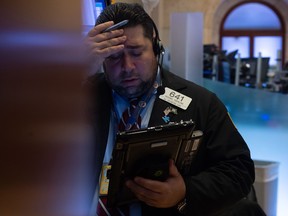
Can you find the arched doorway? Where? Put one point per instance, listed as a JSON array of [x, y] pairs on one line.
[[253, 28], [226, 6]]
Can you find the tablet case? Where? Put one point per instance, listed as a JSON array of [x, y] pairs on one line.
[[146, 152]]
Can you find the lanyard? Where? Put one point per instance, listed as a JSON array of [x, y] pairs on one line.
[[142, 103]]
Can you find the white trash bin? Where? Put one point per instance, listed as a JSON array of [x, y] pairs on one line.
[[266, 185]]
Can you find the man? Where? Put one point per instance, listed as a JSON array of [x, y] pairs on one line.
[[222, 173]]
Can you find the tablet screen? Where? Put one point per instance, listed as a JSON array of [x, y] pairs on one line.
[[146, 152]]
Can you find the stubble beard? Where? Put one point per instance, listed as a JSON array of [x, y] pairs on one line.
[[134, 92]]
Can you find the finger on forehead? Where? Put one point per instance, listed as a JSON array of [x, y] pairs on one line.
[[99, 28]]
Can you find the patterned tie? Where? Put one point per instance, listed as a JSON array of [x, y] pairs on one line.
[[130, 120]]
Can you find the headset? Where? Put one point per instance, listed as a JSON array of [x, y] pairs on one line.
[[158, 48], [157, 45]]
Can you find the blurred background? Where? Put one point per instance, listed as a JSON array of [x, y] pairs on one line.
[[45, 141]]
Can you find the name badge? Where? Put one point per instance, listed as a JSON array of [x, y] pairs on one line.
[[177, 99]]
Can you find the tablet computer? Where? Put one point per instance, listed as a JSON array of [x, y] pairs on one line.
[[146, 152]]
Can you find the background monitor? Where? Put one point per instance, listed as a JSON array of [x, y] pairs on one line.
[[91, 11], [99, 6]]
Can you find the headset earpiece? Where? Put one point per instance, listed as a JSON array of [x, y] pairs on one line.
[[158, 47]]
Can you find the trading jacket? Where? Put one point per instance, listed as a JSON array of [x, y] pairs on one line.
[[222, 172]]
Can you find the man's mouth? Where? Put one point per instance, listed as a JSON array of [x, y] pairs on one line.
[[129, 82]]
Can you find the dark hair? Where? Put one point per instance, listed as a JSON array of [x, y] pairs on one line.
[[136, 15]]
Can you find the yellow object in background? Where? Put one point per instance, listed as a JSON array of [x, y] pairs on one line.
[[104, 183]]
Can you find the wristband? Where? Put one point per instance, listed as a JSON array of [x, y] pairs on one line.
[[181, 206]]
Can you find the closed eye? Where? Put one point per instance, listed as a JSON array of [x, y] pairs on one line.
[[136, 54], [115, 57]]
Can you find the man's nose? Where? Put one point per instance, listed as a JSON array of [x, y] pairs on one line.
[[127, 63]]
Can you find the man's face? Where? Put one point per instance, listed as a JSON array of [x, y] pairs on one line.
[[132, 71]]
